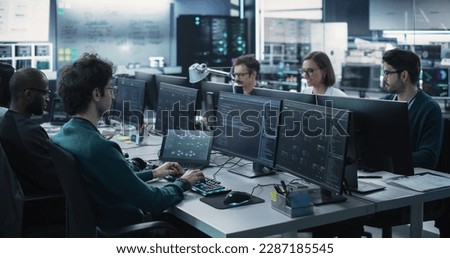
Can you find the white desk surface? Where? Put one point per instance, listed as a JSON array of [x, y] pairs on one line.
[[257, 220], [260, 220], [395, 197]]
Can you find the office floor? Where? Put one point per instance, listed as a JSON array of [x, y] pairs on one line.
[[397, 232], [403, 231]]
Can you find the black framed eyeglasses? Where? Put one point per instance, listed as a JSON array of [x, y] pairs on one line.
[[45, 93], [387, 73], [308, 71], [114, 90], [235, 75]]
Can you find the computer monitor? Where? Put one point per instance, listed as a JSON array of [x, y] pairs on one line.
[[176, 108], [58, 115], [381, 133], [434, 81], [428, 52], [311, 144], [172, 79], [210, 93], [151, 89], [210, 98], [180, 81], [361, 78], [246, 128], [283, 94], [129, 102]]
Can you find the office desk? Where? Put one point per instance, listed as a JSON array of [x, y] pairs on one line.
[[257, 220], [396, 197], [261, 220]]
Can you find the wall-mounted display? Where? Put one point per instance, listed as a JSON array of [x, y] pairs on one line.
[[24, 20]]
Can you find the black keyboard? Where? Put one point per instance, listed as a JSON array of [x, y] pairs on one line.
[[209, 187], [187, 166]]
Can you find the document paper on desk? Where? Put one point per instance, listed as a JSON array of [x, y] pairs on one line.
[[421, 182]]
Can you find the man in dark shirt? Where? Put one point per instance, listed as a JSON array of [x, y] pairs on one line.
[[23, 139], [401, 74], [24, 142]]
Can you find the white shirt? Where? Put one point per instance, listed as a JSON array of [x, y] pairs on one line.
[[331, 91]]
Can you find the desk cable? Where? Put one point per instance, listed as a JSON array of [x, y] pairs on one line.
[[260, 185], [220, 167]]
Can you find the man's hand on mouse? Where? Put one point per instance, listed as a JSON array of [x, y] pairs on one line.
[[193, 176], [166, 169]]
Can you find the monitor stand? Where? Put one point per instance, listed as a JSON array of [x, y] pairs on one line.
[[257, 170]]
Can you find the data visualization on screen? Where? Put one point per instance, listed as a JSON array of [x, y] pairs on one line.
[[247, 127], [312, 145]]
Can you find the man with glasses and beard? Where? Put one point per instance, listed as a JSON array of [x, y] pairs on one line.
[[245, 72], [401, 75]]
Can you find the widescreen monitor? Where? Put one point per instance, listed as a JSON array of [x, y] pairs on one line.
[[246, 128], [210, 93], [362, 78], [176, 108], [128, 104], [180, 81], [172, 79], [283, 94], [434, 81], [151, 89], [355, 77], [428, 52], [381, 133], [210, 98], [311, 144]]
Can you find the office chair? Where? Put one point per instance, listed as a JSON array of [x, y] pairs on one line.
[[6, 71], [13, 207], [81, 218], [11, 200]]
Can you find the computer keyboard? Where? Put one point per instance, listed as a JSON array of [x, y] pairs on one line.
[[187, 166], [209, 187]]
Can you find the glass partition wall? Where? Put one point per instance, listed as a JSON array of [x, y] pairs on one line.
[[354, 33]]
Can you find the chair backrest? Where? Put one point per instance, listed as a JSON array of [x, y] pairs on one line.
[[444, 158], [81, 221], [6, 71], [11, 200]]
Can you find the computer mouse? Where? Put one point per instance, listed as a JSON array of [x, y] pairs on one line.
[[138, 163], [236, 198]]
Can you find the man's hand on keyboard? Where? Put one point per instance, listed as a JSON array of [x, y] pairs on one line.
[[166, 169], [193, 176]]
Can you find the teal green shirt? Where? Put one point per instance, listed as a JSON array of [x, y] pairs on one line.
[[120, 195]]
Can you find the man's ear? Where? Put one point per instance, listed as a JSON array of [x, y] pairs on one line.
[[96, 94], [404, 75]]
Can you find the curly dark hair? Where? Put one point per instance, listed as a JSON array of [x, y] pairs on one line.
[[79, 79]]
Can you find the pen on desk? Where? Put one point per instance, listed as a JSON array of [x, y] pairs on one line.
[[283, 184], [277, 189], [371, 177]]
